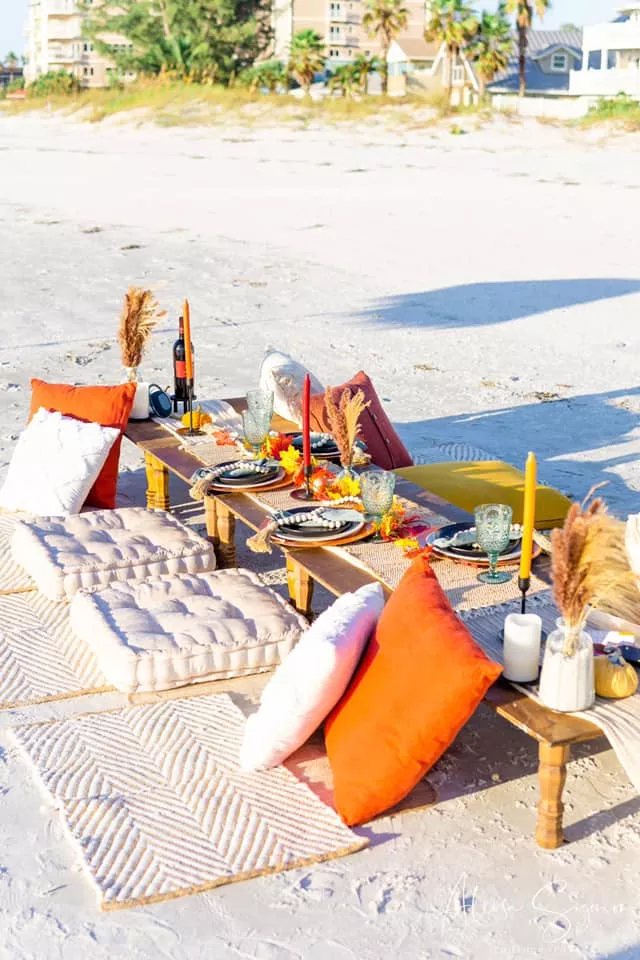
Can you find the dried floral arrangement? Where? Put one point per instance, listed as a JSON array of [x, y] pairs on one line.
[[140, 314], [590, 568], [344, 422]]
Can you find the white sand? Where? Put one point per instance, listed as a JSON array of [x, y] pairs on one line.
[[470, 276]]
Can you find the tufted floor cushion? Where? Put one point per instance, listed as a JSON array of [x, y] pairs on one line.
[[170, 631], [94, 549]]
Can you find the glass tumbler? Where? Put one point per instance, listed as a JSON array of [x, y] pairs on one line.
[[256, 428], [260, 405], [376, 489]]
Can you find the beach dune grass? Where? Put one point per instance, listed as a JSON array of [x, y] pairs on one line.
[[178, 103]]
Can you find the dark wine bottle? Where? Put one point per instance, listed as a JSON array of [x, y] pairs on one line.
[[179, 366]]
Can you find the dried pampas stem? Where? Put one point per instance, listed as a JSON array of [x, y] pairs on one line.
[[344, 418], [590, 569], [140, 314]]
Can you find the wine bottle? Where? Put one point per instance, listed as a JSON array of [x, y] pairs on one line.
[[179, 367], [181, 392]]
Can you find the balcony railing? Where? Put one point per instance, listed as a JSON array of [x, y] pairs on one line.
[[605, 83], [344, 18]]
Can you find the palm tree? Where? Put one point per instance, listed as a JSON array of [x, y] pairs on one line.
[[491, 46], [270, 74], [451, 22], [385, 19], [344, 79], [306, 58], [363, 67], [524, 10]]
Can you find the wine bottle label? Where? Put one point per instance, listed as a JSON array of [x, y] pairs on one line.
[[181, 369]]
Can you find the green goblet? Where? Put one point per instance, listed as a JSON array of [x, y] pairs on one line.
[[493, 533]]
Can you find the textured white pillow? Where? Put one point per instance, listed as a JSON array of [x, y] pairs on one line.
[[55, 464], [285, 376], [308, 684]]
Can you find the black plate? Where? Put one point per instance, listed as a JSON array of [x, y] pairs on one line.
[[329, 447], [257, 478], [312, 531], [466, 552]]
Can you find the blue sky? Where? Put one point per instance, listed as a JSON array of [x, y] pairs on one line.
[[13, 15]]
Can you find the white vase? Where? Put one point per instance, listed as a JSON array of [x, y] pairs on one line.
[[140, 408], [567, 676]]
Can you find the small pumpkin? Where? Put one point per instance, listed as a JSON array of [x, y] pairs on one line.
[[614, 677], [200, 418]]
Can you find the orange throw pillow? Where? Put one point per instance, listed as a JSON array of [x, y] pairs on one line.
[[421, 678], [383, 443], [108, 406]]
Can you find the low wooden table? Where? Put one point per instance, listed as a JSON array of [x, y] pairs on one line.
[[554, 732]]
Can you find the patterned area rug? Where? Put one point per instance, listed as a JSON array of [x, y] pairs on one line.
[[40, 659], [153, 798], [13, 578]]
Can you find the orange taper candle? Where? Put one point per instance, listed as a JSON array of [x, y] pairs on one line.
[[528, 516], [188, 355]]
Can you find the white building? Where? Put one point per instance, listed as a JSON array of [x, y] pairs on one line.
[[611, 58], [55, 42]]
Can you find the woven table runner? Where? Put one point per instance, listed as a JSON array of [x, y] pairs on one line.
[[387, 562], [619, 720]]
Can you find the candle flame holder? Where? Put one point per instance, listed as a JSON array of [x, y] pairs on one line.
[[524, 583], [305, 492]]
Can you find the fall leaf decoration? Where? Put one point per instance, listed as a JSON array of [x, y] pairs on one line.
[[140, 313], [344, 417], [590, 568]]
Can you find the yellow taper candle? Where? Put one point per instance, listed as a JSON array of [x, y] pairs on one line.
[[528, 516], [188, 355]]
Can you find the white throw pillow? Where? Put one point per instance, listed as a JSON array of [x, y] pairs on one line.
[[308, 684], [56, 462], [285, 376]]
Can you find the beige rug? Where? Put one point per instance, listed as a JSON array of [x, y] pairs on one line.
[[153, 798], [40, 659], [13, 578]]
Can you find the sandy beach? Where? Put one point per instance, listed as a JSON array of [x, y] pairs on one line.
[[489, 285]]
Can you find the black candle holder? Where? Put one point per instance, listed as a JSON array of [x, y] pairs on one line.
[[188, 405], [305, 492], [524, 583]]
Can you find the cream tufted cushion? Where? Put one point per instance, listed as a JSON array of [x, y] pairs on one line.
[[170, 631], [93, 549]]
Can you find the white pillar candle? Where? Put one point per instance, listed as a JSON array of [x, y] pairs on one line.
[[522, 635]]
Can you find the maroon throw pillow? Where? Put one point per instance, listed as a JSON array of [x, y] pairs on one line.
[[383, 443]]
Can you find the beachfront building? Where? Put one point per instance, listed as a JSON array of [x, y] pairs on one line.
[[339, 23], [610, 57], [417, 66], [551, 57], [55, 42]]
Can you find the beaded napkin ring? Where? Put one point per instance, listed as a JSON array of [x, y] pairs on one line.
[[206, 475], [261, 541]]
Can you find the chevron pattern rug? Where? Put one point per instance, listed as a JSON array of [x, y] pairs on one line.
[[13, 578], [40, 658], [155, 802]]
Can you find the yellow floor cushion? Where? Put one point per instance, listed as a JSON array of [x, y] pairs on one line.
[[467, 484]]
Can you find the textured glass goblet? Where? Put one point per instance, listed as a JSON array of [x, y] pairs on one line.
[[376, 489], [260, 405], [256, 428], [493, 532]]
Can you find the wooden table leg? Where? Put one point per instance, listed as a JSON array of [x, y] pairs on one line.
[[211, 520], [552, 773], [300, 587], [226, 524], [157, 483]]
